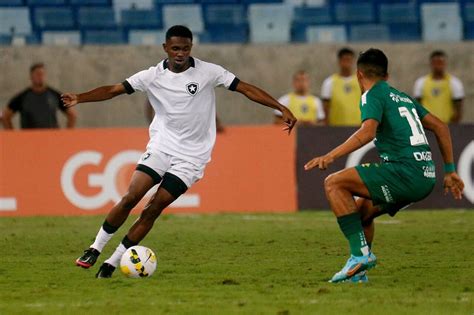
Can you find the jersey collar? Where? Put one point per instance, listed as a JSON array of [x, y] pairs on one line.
[[191, 63]]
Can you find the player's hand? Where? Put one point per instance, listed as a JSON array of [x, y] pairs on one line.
[[322, 162], [69, 99], [454, 184], [288, 119]]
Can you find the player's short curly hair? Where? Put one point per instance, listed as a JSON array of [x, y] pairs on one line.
[[179, 31], [373, 63]]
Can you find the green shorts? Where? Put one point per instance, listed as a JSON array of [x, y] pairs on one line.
[[396, 185]]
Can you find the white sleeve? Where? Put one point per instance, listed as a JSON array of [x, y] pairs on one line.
[[284, 100], [225, 78], [418, 87], [326, 89], [321, 115], [140, 80], [457, 89]]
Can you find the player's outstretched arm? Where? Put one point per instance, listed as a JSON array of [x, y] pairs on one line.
[[96, 95], [260, 96], [358, 139], [452, 182]]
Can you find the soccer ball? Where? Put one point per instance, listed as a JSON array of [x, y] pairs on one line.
[[138, 262]]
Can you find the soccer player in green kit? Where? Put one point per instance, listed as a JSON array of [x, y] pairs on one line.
[[405, 175]]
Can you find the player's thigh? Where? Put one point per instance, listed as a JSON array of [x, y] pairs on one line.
[[140, 184], [347, 179]]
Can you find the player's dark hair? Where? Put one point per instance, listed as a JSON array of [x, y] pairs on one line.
[[37, 65], [438, 53], [373, 63], [299, 72], [179, 31], [345, 51]]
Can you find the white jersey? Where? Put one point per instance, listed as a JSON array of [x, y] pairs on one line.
[[184, 125]]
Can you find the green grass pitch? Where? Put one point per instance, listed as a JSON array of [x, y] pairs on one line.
[[243, 264]]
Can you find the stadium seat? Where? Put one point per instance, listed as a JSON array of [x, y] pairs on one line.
[[261, 1], [219, 1], [326, 34], [226, 14], [141, 19], [186, 14], [46, 2], [22, 40], [96, 18], [162, 2], [441, 22], [149, 38], [120, 5], [269, 23], [5, 39], [54, 18], [306, 16], [312, 15], [405, 32], [90, 2], [398, 13], [15, 21], [61, 38], [362, 12], [225, 34], [468, 12], [307, 3], [6, 3], [369, 33], [103, 37]]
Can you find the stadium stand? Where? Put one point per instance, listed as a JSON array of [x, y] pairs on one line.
[[269, 23], [234, 21]]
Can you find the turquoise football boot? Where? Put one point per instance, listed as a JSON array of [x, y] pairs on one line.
[[355, 265], [360, 277]]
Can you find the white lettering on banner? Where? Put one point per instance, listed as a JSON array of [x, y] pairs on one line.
[[106, 180], [355, 157], [466, 159], [8, 204]]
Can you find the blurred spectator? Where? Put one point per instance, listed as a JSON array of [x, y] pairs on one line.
[[150, 114], [306, 107], [38, 104], [440, 92], [341, 92]]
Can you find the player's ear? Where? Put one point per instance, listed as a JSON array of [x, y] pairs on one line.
[[164, 47]]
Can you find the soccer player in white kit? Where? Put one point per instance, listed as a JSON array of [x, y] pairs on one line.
[[182, 135]]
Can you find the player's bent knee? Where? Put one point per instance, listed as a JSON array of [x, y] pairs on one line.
[[129, 201], [331, 183]]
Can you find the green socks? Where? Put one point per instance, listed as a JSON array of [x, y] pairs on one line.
[[351, 226]]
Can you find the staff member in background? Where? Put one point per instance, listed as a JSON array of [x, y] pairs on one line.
[[306, 107], [150, 114], [440, 92], [341, 92], [38, 104]]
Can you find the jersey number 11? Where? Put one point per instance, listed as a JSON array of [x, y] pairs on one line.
[[418, 136]]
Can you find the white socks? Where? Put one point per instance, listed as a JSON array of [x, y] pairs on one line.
[[101, 239], [114, 260]]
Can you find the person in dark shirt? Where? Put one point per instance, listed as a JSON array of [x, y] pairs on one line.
[[38, 104]]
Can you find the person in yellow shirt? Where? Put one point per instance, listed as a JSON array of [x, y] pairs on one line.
[[440, 92], [341, 92], [306, 107]]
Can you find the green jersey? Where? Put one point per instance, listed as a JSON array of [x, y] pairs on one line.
[[400, 134]]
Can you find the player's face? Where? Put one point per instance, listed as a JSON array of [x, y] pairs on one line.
[[346, 63], [178, 50], [301, 83], [438, 65], [38, 77]]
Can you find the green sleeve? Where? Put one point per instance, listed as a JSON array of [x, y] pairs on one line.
[[421, 111], [371, 107]]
